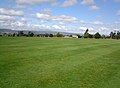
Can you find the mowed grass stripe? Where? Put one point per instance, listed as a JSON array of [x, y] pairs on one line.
[[85, 66], [57, 49], [59, 53]]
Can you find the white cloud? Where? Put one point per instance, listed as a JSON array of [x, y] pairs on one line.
[[69, 3], [115, 28], [6, 18], [20, 25], [45, 27], [56, 27], [62, 18], [83, 22], [101, 30], [104, 28], [24, 20], [7, 22], [94, 7], [42, 16], [11, 12], [88, 2], [19, 2], [118, 12], [85, 28], [97, 23]]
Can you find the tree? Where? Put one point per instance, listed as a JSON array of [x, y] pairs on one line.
[[30, 34], [51, 35], [114, 35], [111, 35], [20, 33], [46, 35], [97, 35], [70, 35], [38, 35], [13, 34], [59, 35], [86, 34], [118, 35], [91, 36], [103, 37], [78, 35]]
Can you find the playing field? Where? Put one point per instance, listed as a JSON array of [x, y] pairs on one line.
[[59, 63]]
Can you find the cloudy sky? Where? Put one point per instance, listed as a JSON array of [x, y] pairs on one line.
[[61, 15]]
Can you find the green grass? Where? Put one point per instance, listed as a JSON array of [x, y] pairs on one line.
[[59, 63]]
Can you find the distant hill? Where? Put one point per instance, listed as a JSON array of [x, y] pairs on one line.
[[7, 30]]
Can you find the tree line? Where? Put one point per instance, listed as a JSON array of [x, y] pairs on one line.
[[113, 35], [31, 34]]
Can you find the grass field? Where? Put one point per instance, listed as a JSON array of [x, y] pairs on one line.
[[59, 63]]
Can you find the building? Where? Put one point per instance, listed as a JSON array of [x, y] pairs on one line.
[[74, 36]]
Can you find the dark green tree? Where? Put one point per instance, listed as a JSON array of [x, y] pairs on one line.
[[111, 35], [118, 35], [59, 35], [51, 35], [91, 36], [86, 34], [13, 34], [114, 35], [103, 36], [30, 34], [78, 35], [46, 35], [20, 33], [97, 35], [70, 35]]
